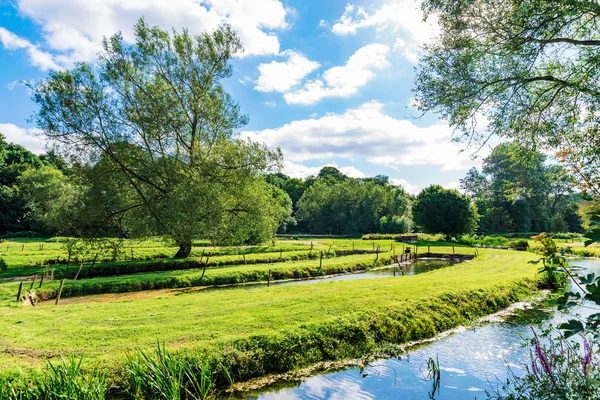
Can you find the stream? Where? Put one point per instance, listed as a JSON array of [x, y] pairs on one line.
[[472, 361]]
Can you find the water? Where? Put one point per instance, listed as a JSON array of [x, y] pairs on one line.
[[472, 361], [413, 268]]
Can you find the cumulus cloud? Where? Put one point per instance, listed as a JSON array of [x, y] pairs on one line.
[[403, 16], [297, 170], [282, 76], [73, 29], [25, 137], [343, 81], [409, 187], [366, 132], [38, 58]]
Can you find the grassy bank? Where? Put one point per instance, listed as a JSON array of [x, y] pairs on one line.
[[250, 332]]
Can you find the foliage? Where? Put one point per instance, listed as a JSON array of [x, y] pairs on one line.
[[438, 210], [14, 161], [517, 191], [155, 118], [529, 67], [395, 224], [559, 369], [352, 206]]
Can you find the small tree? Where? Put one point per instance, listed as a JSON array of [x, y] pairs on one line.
[[438, 210]]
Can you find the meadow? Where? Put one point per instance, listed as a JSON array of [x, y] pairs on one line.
[[242, 332]]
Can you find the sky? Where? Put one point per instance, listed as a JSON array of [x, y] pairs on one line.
[[329, 82]]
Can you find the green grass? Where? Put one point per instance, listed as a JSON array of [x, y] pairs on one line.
[[106, 330], [246, 332]]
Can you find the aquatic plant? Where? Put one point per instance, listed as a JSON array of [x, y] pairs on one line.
[[557, 369]]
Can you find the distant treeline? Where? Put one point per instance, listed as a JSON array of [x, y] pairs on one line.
[[515, 192]]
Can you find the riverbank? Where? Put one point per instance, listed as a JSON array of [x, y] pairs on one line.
[[251, 332]]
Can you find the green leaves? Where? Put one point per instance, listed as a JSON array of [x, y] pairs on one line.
[[438, 210], [593, 235], [571, 328], [567, 300]]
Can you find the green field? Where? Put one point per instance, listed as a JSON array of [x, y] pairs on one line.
[[248, 328]]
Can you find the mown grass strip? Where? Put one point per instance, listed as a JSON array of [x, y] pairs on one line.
[[254, 332]]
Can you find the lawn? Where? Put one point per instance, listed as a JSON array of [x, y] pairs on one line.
[[352, 316]]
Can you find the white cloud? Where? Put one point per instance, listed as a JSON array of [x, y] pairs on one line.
[[404, 16], [37, 57], [74, 28], [12, 85], [282, 76], [296, 170], [343, 81], [366, 132], [409, 187], [270, 104], [453, 185], [409, 51], [25, 137]]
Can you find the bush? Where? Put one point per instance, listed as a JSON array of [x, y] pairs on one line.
[[487, 241], [3, 265], [519, 244], [379, 236], [395, 224], [23, 235]]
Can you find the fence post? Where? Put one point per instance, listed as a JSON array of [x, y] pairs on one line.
[[33, 282], [41, 282], [19, 292], [269, 279], [321, 260], [62, 282]]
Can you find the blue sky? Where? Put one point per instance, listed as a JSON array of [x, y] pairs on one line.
[[329, 82]]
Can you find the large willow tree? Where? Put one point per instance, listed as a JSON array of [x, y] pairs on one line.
[[531, 67], [155, 115]]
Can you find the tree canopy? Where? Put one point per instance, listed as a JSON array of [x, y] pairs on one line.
[[531, 68], [337, 204], [156, 114], [517, 192], [439, 210]]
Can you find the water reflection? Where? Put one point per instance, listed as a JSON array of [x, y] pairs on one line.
[[472, 362]]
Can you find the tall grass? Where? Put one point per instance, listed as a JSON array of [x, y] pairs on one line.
[[168, 377], [63, 381]]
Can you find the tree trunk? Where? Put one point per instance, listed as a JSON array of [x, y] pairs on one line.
[[184, 249]]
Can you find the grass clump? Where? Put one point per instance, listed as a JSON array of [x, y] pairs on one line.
[[65, 380], [168, 376]]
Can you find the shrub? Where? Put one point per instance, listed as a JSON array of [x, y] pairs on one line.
[[395, 224], [519, 244], [22, 234], [379, 236], [3, 265]]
